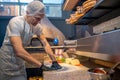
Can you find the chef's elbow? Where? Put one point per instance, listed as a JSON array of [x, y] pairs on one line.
[[19, 53]]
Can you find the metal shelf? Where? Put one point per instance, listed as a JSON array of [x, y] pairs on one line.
[[103, 7], [105, 43]]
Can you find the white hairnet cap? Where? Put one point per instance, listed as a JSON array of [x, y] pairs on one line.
[[35, 6]]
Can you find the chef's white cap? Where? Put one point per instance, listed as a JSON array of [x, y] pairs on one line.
[[35, 7]]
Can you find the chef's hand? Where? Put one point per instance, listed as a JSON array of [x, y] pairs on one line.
[[45, 68], [55, 65]]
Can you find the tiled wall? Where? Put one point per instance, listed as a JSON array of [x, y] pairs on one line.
[[107, 25]]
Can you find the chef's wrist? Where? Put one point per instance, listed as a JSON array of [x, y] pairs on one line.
[[39, 65], [53, 58], [54, 61]]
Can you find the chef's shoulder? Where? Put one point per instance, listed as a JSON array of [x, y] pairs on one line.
[[16, 24], [17, 20], [38, 29]]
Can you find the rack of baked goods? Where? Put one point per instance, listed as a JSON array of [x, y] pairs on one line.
[[81, 11]]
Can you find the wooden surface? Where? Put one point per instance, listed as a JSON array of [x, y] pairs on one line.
[[70, 4]]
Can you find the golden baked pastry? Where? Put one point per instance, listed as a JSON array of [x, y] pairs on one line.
[[74, 17], [87, 5], [67, 21], [78, 16], [88, 1], [73, 21], [75, 62], [72, 61], [80, 9]]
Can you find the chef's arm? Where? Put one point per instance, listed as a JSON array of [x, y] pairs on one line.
[[21, 52], [47, 47]]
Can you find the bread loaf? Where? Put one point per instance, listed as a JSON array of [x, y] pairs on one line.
[[80, 9], [87, 5], [75, 62], [87, 2], [72, 61], [78, 16]]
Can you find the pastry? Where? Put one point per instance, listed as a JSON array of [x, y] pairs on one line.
[[88, 5]]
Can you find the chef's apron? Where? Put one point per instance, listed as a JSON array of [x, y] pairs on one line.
[[11, 66]]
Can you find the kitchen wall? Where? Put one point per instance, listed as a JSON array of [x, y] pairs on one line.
[[106, 26], [107, 22]]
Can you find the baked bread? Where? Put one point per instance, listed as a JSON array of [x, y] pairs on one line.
[[72, 61], [75, 62], [80, 9], [87, 5], [88, 1], [78, 16], [71, 21], [67, 21]]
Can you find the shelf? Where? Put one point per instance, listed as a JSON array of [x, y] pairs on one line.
[[105, 43], [102, 7], [40, 48]]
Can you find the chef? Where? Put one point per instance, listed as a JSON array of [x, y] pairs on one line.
[[19, 32]]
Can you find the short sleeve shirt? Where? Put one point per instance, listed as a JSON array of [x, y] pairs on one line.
[[18, 26]]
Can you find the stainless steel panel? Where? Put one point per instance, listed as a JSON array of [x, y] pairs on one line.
[[108, 42]]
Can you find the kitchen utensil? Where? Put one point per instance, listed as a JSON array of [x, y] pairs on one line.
[[99, 74]]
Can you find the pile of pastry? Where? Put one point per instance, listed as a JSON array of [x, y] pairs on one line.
[[81, 11], [72, 61]]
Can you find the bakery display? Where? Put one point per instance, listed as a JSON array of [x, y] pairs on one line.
[[71, 20], [80, 11], [77, 15]]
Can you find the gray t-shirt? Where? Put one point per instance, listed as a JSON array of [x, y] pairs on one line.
[[19, 27]]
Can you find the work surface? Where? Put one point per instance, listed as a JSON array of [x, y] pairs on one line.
[[68, 72]]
